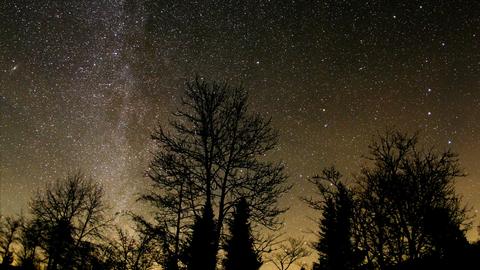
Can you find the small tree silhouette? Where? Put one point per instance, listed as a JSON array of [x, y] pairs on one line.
[[241, 254], [288, 254], [131, 252]]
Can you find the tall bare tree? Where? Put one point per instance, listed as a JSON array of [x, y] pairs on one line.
[[213, 152], [66, 214]]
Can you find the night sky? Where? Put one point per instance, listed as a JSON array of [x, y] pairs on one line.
[[82, 84]]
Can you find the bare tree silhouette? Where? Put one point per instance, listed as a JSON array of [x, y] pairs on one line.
[[66, 214], [213, 153], [396, 196], [126, 251], [289, 253]]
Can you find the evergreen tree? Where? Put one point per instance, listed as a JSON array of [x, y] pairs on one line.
[[239, 247], [335, 246], [202, 251], [447, 238], [335, 242]]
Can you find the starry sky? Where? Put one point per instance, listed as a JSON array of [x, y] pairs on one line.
[[82, 84]]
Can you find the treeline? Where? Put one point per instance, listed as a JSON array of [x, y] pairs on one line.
[[401, 212], [213, 197]]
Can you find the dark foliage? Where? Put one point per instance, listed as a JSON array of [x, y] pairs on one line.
[[239, 248], [335, 246], [202, 252], [29, 240]]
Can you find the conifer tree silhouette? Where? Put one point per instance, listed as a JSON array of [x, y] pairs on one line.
[[202, 251], [241, 254], [335, 246]]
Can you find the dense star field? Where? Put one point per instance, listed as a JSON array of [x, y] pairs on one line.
[[83, 83]]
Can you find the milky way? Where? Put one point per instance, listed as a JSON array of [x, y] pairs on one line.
[[82, 84]]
